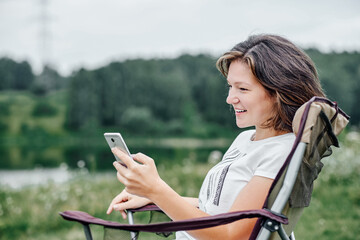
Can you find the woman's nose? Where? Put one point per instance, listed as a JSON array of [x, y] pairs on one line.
[[231, 99]]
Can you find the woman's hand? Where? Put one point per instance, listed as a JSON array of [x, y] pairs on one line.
[[140, 175], [125, 201]]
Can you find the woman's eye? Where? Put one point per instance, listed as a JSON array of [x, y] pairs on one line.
[[239, 88]]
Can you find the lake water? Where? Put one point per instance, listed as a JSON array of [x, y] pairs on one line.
[[17, 179], [100, 158], [21, 167]]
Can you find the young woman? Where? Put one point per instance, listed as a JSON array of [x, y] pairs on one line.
[[269, 78]]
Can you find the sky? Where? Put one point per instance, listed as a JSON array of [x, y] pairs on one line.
[[71, 34]]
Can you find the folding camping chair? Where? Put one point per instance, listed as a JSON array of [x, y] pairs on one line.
[[316, 125]]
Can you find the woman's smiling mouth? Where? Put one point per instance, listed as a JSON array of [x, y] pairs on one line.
[[240, 110]]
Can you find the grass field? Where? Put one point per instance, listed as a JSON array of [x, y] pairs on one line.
[[334, 212], [21, 105], [32, 212]]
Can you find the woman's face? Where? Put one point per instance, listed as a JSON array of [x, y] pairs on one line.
[[252, 104]]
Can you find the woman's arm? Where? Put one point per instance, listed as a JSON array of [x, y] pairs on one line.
[[143, 180], [252, 196], [192, 201], [125, 200]]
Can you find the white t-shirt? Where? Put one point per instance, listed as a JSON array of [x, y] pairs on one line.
[[243, 160]]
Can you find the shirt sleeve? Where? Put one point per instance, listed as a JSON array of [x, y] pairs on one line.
[[269, 164]]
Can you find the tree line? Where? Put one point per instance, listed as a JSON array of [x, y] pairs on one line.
[[172, 95], [182, 95], [19, 76]]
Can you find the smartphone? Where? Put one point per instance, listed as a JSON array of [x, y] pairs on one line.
[[116, 140]]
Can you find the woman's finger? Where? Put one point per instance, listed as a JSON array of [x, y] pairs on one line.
[[123, 214], [110, 208], [121, 178], [120, 168], [127, 160], [122, 206], [142, 158], [122, 197]]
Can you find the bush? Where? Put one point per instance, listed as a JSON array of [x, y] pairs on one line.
[[5, 108], [139, 120], [38, 89], [3, 127], [44, 109]]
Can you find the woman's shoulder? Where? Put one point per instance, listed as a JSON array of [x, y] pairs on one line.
[[245, 135], [284, 139], [242, 139], [278, 144], [281, 142]]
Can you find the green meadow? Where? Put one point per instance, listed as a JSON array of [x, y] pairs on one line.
[[32, 212]]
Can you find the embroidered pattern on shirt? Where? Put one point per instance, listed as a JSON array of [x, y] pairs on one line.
[[220, 185], [232, 155], [228, 158]]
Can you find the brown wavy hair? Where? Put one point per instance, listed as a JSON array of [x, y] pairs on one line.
[[283, 69]]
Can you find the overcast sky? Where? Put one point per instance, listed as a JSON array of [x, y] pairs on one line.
[[91, 33]]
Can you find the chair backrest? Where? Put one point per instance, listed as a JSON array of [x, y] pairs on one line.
[[316, 123]]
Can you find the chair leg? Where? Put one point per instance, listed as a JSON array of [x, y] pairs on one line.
[[87, 232], [282, 233], [133, 235]]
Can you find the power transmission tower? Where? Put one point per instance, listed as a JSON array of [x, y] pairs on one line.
[[45, 35], [45, 81]]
